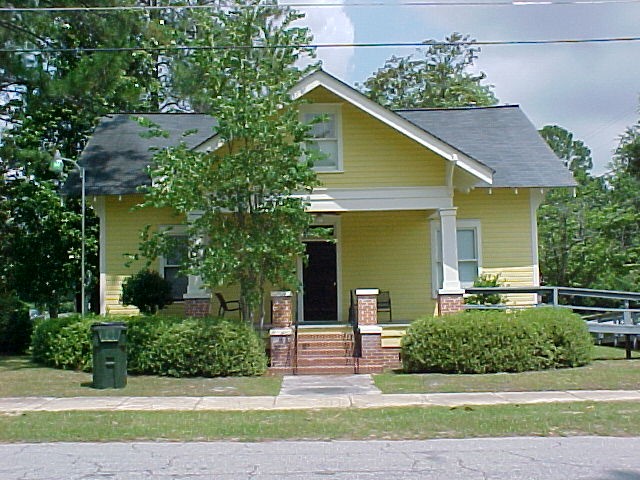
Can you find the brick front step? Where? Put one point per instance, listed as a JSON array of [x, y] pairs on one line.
[[325, 337], [310, 347], [369, 368], [324, 361], [322, 370], [326, 352]]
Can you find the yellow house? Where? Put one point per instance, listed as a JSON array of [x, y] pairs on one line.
[[420, 201]]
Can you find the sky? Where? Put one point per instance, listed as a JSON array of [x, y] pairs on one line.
[[592, 90]]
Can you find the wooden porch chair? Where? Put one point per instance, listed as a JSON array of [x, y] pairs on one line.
[[225, 305], [384, 304]]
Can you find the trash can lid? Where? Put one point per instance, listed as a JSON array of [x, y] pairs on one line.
[[98, 325], [108, 332]]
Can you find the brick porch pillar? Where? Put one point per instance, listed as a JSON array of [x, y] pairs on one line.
[[367, 301], [197, 307], [450, 303], [281, 309], [281, 333], [373, 357]]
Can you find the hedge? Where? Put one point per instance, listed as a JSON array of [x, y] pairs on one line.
[[495, 341], [63, 342], [157, 345]]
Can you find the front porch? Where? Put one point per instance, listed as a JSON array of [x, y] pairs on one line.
[[396, 252], [360, 346]]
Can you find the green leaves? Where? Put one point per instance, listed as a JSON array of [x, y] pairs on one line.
[[148, 291], [439, 77], [242, 190], [575, 155], [495, 341]]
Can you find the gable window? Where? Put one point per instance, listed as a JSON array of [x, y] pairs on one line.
[[171, 264], [469, 258], [325, 136]]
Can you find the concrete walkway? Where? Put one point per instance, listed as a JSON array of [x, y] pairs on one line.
[[306, 392]]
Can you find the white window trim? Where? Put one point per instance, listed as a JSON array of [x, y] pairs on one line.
[[336, 110], [175, 230], [461, 224]]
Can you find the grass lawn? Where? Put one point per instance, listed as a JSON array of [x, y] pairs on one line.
[[609, 371], [389, 423], [19, 377]]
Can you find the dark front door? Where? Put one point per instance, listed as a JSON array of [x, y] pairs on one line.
[[319, 278]]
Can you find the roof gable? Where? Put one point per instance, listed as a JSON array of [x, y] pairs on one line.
[[442, 148]]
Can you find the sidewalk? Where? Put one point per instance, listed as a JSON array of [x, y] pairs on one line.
[[300, 402]]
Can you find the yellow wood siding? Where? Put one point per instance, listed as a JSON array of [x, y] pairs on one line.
[[376, 155], [391, 337], [123, 227], [388, 251], [505, 218]]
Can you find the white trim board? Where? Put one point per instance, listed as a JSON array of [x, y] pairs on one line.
[[101, 211], [377, 199]]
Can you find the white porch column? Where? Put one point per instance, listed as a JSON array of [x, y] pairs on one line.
[[198, 297], [195, 288], [450, 276]]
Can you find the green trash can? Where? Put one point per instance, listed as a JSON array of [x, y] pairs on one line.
[[109, 354]]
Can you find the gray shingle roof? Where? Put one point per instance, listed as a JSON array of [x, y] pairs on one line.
[[116, 156], [502, 138]]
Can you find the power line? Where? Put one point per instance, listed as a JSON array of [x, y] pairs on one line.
[[167, 48], [442, 3]]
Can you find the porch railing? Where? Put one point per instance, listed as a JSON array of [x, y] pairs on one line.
[[353, 321]]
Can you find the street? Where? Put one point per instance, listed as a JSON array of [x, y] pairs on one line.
[[487, 459]]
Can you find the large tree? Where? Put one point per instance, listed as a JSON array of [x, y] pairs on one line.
[[627, 156], [575, 155], [439, 76], [241, 72], [590, 236], [53, 88]]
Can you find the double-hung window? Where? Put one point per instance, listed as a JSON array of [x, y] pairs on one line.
[[325, 135], [172, 263], [469, 258]]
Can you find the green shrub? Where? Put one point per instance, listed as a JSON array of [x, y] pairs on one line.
[[572, 342], [15, 325], [63, 342], [196, 347], [72, 348], [43, 336], [492, 341], [485, 280], [148, 291], [142, 335], [169, 346]]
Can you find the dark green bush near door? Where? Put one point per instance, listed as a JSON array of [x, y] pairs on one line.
[[495, 341], [158, 345]]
